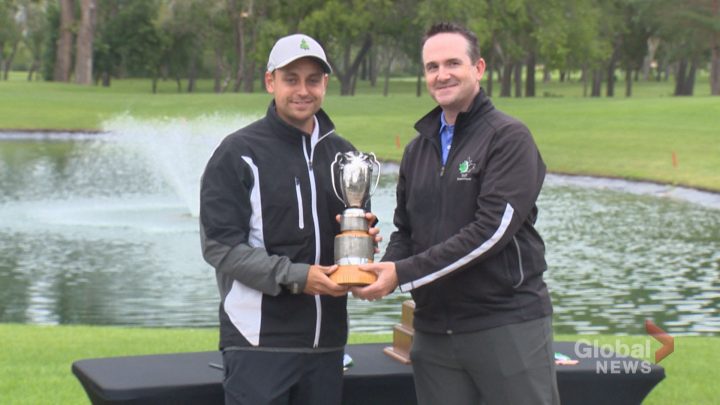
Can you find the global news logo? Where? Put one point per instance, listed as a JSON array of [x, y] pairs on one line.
[[623, 358]]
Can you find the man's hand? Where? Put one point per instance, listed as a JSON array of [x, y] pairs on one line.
[[386, 283], [372, 231], [318, 282]]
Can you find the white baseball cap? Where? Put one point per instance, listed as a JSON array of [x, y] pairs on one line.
[[293, 47]]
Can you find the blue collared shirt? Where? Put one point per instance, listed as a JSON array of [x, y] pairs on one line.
[[446, 136]]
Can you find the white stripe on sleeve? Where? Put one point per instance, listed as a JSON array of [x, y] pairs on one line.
[[475, 253]]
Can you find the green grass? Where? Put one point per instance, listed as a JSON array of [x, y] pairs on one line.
[[35, 360], [632, 138]]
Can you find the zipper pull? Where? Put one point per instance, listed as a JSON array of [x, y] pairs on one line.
[[442, 170]]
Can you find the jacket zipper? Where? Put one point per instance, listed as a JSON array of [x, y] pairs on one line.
[[441, 205], [441, 197], [298, 193], [316, 225]]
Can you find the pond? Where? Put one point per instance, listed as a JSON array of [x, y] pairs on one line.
[[102, 229]]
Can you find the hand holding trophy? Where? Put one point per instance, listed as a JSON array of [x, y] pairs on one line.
[[354, 246]]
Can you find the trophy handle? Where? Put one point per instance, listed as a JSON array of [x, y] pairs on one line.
[[377, 181], [332, 176]]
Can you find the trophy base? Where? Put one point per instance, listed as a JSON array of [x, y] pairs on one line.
[[351, 275], [403, 334], [402, 357]]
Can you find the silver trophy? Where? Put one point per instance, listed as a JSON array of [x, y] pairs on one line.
[[354, 246]]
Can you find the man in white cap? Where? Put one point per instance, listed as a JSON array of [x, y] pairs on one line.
[[267, 225]]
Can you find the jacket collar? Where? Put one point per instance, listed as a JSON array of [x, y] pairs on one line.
[[287, 132], [429, 125]]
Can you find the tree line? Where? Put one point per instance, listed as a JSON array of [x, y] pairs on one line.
[[93, 41]]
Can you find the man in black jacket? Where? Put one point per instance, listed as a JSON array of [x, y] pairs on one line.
[[465, 246], [267, 225]]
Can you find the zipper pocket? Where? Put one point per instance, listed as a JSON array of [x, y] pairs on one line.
[[298, 193], [520, 264]]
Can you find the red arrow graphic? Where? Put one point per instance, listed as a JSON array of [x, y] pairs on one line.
[[667, 341]]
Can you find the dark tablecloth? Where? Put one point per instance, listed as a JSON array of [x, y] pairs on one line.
[[192, 378]]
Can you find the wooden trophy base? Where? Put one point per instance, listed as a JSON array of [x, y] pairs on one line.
[[351, 275], [403, 335], [402, 342]]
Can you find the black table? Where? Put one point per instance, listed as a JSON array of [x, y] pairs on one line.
[[192, 378]]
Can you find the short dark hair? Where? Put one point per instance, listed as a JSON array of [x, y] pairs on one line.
[[452, 28]]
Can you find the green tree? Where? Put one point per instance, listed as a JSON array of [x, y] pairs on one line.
[[615, 29], [400, 33], [636, 43], [509, 42], [184, 24], [52, 24], [689, 38], [128, 41], [220, 39], [587, 47], [347, 29], [266, 28], [35, 34], [10, 34], [106, 55], [548, 38]]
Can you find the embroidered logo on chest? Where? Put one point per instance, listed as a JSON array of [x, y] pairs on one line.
[[465, 169]]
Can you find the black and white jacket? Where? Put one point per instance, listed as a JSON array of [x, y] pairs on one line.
[[466, 246], [267, 211]]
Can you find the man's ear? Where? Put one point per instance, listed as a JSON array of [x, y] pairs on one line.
[[270, 82], [480, 66]]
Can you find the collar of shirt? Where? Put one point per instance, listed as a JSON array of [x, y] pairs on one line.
[[315, 134], [446, 136]]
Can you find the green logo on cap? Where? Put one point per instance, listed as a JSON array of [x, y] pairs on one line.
[[304, 45]]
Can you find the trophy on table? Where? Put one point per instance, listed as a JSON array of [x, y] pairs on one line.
[[353, 245]]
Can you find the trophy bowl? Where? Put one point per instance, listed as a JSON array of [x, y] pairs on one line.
[[353, 245]]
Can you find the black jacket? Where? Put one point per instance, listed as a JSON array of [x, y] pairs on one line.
[[267, 212], [466, 246]]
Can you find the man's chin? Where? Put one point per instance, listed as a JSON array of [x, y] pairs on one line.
[[445, 101], [304, 109], [305, 112], [444, 96], [302, 116]]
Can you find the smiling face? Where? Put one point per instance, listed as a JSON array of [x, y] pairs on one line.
[[453, 80], [299, 90]]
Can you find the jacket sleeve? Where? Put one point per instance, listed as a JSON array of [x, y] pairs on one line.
[[511, 183], [226, 212]]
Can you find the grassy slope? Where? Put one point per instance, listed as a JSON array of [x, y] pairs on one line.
[[36, 360], [618, 137]]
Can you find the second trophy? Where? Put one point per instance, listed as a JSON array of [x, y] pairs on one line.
[[354, 246]]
